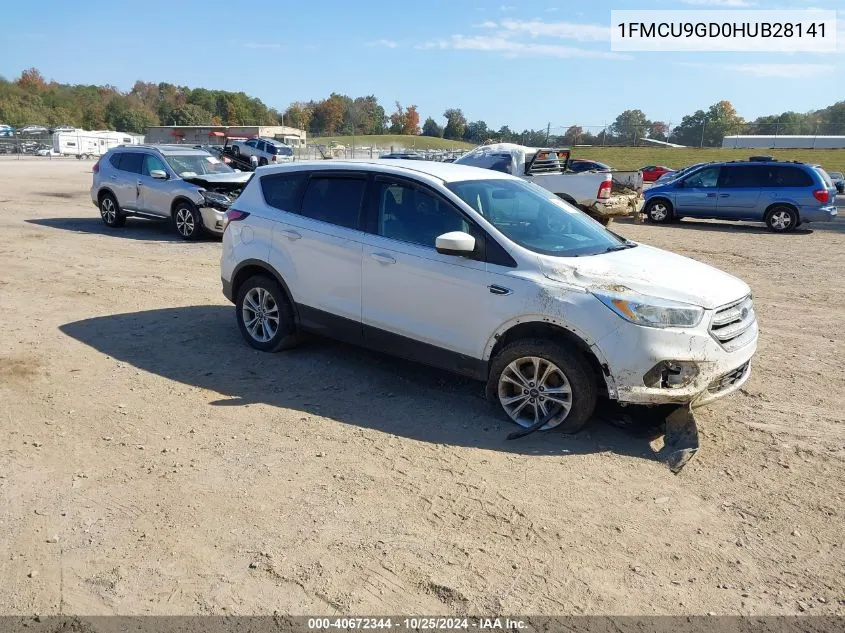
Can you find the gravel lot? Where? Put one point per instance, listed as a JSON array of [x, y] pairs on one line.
[[153, 463]]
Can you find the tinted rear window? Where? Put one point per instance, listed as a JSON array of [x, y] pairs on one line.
[[131, 162], [733, 177], [787, 176], [334, 200], [282, 190]]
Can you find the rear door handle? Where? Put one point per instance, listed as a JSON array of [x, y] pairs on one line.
[[382, 258], [499, 290], [724, 195], [293, 235], [711, 195]]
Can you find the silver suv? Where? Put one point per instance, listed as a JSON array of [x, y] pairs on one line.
[[187, 186], [266, 150]]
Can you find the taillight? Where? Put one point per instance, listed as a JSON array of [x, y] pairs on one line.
[[274, 158], [96, 167], [233, 215], [822, 195], [604, 190]]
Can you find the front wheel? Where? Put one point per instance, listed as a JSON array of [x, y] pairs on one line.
[[187, 220], [264, 315], [781, 219], [534, 379], [659, 211]]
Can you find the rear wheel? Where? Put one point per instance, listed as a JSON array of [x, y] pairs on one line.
[[110, 212], [262, 162], [659, 211], [781, 219], [264, 315], [187, 221], [533, 379]]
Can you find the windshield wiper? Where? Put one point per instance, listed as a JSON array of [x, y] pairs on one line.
[[620, 247]]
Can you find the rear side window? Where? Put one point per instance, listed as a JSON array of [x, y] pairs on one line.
[[738, 176], [787, 176], [334, 200], [281, 191], [114, 159], [131, 162]]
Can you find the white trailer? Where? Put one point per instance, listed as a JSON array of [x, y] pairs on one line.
[[783, 141], [87, 143]]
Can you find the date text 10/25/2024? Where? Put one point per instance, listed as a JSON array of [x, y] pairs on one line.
[[416, 624]]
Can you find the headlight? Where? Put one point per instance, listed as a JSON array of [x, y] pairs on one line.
[[651, 311], [216, 198]]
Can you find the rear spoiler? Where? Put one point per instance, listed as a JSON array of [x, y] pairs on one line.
[[548, 161]]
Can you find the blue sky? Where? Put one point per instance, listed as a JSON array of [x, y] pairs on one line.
[[524, 64]]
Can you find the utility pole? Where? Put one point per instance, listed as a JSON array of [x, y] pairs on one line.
[[548, 130], [703, 127]]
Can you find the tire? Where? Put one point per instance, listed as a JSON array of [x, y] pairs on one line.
[[110, 212], [659, 211], [262, 162], [236, 151], [187, 221], [260, 290], [567, 370], [781, 218]]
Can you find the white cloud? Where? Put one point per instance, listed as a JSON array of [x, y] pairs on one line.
[[720, 3], [560, 30], [783, 71], [384, 43], [512, 48], [260, 45], [506, 8]]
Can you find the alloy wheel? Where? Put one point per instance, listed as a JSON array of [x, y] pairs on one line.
[[658, 211], [260, 313], [781, 220], [108, 210], [532, 389], [185, 222]]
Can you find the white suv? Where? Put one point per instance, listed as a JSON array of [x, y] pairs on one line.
[[483, 274]]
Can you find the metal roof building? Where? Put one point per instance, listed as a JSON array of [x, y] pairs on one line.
[[783, 141]]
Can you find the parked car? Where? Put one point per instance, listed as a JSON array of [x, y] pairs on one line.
[[783, 195], [653, 172], [189, 187], [63, 128], [403, 156], [483, 274], [7, 130], [578, 165], [47, 151], [266, 150], [838, 180], [33, 130]]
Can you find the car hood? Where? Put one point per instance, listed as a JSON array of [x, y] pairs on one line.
[[220, 182], [648, 271]]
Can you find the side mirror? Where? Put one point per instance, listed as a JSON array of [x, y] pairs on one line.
[[455, 243], [159, 174]]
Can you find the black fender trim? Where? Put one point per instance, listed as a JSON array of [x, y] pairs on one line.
[[230, 288]]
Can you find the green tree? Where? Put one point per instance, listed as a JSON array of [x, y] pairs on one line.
[[630, 125], [430, 128], [455, 124], [189, 114]]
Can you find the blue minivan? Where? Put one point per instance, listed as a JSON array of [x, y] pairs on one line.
[[781, 194]]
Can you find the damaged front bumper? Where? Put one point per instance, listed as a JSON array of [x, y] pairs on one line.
[[674, 366], [213, 218]]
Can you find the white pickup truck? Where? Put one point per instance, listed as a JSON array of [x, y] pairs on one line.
[[601, 195]]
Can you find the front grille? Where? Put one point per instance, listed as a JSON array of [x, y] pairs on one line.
[[732, 325], [730, 379]]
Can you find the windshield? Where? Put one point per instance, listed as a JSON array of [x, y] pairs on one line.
[[186, 165], [836, 175], [537, 219]]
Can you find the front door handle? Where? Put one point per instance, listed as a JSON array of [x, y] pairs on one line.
[[711, 195], [292, 235], [382, 258], [724, 195], [499, 290]]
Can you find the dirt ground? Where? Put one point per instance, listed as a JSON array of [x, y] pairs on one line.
[[152, 463]]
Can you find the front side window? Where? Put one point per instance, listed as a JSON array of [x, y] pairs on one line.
[[706, 178], [334, 200], [252, 143], [536, 219], [413, 215], [152, 163]]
